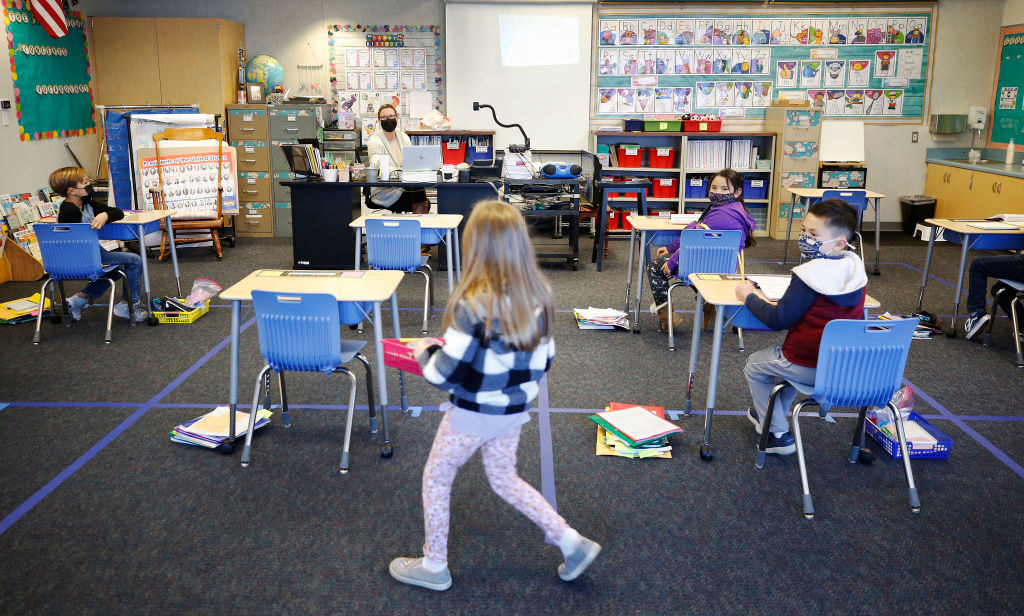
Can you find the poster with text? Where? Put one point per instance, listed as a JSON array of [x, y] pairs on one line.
[[894, 102], [858, 31], [835, 73], [608, 63], [810, 73], [626, 100], [779, 32], [608, 32], [786, 74], [835, 101], [838, 31], [683, 62], [663, 102], [704, 93], [854, 102], [859, 74], [685, 32], [665, 64], [762, 93], [885, 63], [648, 31], [873, 102], [667, 32], [725, 94], [682, 98]]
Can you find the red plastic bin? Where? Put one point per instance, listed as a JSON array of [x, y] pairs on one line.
[[617, 221], [702, 126], [661, 158], [453, 152], [631, 156], [666, 188]]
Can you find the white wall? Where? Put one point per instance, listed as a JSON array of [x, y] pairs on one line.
[[1013, 12], [962, 74]]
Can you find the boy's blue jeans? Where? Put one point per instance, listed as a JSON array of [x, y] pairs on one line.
[[1010, 267], [130, 262], [767, 368]]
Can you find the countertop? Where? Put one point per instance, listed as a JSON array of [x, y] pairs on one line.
[[992, 161]]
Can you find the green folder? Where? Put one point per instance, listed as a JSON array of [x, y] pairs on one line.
[[607, 426]]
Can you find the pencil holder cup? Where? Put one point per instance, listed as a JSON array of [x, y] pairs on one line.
[[358, 173], [371, 174], [330, 175], [343, 175]]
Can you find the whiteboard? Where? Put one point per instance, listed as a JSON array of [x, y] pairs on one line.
[[841, 142], [551, 101]]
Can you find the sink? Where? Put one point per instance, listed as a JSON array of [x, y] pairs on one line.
[[964, 160]]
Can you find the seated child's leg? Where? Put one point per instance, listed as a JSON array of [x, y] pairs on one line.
[[658, 280], [499, 457], [763, 370], [131, 263], [450, 451], [983, 268]]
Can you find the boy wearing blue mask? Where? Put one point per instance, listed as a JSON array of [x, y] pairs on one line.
[[829, 285]]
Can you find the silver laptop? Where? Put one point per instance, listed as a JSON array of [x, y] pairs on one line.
[[420, 163]]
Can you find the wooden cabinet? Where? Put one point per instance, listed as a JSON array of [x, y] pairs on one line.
[[146, 61], [965, 193]]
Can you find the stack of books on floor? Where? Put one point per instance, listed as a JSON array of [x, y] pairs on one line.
[[634, 431], [212, 429], [600, 318], [927, 326], [22, 310]]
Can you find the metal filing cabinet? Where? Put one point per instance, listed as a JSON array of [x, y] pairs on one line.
[[248, 131], [288, 124]]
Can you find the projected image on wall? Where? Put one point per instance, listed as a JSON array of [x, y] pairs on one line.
[[532, 40]]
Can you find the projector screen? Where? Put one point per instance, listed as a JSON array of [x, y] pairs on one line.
[[530, 61]]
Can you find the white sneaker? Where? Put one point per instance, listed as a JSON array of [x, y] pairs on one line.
[[121, 310], [75, 305]]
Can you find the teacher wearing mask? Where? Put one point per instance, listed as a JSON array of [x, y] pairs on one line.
[[388, 141]]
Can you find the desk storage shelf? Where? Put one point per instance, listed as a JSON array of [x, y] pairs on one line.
[[457, 146], [689, 166]]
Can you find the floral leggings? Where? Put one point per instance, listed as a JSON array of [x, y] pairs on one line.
[[659, 281], [450, 451]]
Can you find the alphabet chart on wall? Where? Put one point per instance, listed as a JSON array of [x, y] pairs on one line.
[[862, 65]]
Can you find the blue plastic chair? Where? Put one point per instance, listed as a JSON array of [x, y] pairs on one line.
[[72, 252], [301, 332], [858, 199], [703, 251], [860, 364], [395, 245]]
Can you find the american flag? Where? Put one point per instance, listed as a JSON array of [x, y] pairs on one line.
[[50, 14]]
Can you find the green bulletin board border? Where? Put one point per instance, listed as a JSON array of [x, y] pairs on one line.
[[1007, 123], [90, 125], [916, 95]]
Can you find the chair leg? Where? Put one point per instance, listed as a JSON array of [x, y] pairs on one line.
[[110, 310], [428, 296], [739, 335], [1016, 329], [266, 392], [64, 301], [671, 329], [987, 340], [858, 436], [762, 443], [915, 502], [163, 244], [369, 393], [39, 311], [215, 234], [808, 505], [285, 419], [343, 468], [247, 450]]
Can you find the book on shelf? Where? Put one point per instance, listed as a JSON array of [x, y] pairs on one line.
[[613, 154]]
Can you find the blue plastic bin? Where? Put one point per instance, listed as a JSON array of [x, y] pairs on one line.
[[697, 187], [892, 446], [480, 153], [755, 188]]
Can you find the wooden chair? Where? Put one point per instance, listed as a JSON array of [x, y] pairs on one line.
[[214, 225]]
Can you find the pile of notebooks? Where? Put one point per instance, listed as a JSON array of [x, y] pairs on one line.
[[22, 310], [211, 430], [928, 324], [634, 431], [600, 318]]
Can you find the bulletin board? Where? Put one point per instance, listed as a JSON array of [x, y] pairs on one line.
[[374, 65], [1007, 110], [865, 64], [52, 80]]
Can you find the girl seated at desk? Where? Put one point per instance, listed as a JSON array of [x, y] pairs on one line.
[[726, 212], [387, 142]]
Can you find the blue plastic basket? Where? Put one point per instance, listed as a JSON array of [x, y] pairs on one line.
[[750, 191], [696, 187], [476, 153], [939, 451]]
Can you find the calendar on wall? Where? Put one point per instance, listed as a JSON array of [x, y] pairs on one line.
[[857, 66]]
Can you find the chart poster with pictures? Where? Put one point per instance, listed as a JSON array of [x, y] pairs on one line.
[[862, 65], [374, 65], [1007, 106], [191, 177], [52, 80]]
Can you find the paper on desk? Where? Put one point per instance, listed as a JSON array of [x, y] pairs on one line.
[[772, 287], [683, 219]]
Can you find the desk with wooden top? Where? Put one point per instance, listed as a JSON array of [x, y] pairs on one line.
[[960, 231], [721, 293], [367, 286], [807, 195], [449, 223], [644, 225], [133, 227]]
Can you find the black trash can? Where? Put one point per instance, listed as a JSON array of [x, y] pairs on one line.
[[914, 209]]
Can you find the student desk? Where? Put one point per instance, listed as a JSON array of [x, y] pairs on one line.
[[643, 225], [721, 293], [133, 227], [370, 286], [958, 231], [808, 195], [447, 222]]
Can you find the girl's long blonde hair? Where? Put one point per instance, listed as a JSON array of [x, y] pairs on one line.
[[501, 280]]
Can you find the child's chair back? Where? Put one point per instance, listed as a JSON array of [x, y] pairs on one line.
[[857, 198], [69, 251], [299, 332], [393, 244], [703, 251], [860, 363]]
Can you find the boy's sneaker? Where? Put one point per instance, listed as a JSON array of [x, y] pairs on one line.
[[75, 305], [121, 310], [577, 562], [411, 571], [754, 419], [784, 445], [974, 324]]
